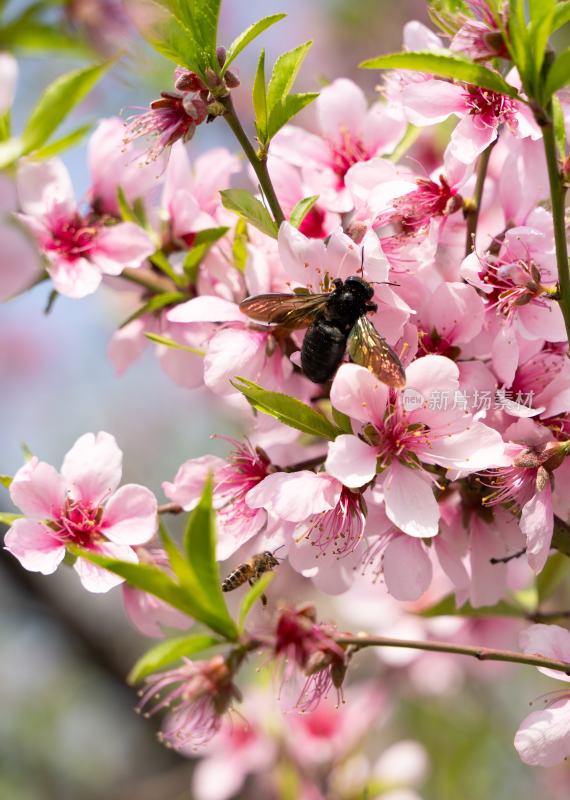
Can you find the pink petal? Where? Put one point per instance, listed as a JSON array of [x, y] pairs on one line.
[[433, 373], [184, 369], [418, 518], [76, 279], [188, 484], [432, 101], [351, 461], [35, 546], [455, 311], [542, 322], [384, 126], [407, 568], [301, 257], [299, 147], [505, 354], [43, 185], [150, 615], [17, 249], [537, 524], [550, 641], [469, 139], [356, 392], [38, 490], [130, 515], [295, 496], [488, 581], [212, 172], [543, 738], [341, 109], [207, 308], [418, 36], [475, 448], [92, 468], [96, 579], [231, 353], [8, 79], [127, 345], [120, 246]]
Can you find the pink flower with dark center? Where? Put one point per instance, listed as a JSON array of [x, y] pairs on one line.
[[80, 506], [350, 133], [175, 115], [197, 694], [416, 209], [479, 37], [79, 249]]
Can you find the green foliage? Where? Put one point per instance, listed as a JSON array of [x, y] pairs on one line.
[[56, 103], [7, 518], [447, 608], [547, 581], [246, 37], [64, 143], [561, 15], [168, 652], [156, 303], [288, 410], [445, 66], [558, 75], [251, 209], [302, 209], [164, 340], [274, 106], [6, 481], [253, 596]]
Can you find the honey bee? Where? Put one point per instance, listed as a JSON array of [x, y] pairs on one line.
[[251, 571]]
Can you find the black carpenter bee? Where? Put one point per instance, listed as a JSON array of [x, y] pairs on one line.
[[336, 321], [250, 572]]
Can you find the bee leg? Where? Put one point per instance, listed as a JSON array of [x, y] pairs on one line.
[[371, 307]]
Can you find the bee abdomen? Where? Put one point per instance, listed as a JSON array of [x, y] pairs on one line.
[[323, 348], [236, 578]]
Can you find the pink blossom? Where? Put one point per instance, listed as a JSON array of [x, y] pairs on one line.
[[479, 37], [79, 249], [396, 439], [19, 261], [174, 116], [451, 316], [112, 164], [481, 113], [350, 132], [543, 738], [82, 506], [197, 694], [234, 479]]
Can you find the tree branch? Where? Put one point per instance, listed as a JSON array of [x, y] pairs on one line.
[[473, 209]]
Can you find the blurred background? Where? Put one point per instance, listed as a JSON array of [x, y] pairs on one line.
[[67, 727]]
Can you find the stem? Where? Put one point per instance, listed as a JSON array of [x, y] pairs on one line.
[[558, 198], [258, 164], [480, 653], [474, 209], [148, 280], [170, 508]]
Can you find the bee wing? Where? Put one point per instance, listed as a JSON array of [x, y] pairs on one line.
[[288, 310], [366, 347]]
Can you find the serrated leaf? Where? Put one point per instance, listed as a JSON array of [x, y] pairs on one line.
[[6, 480], [259, 99], [168, 652], [251, 209], [157, 302], [291, 106], [7, 519], [445, 66], [447, 607], [246, 37], [59, 145], [252, 596], [56, 102], [558, 74], [285, 71], [302, 209], [554, 572], [286, 409], [164, 340]]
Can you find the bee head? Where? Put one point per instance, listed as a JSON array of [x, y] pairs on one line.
[[361, 287]]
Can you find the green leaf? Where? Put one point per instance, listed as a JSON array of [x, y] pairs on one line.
[[281, 106], [446, 66], [161, 262], [555, 570], [559, 127], [168, 652], [37, 36], [6, 480], [517, 40], [10, 151], [200, 547], [252, 596], [410, 137], [155, 303], [241, 42], [558, 74], [447, 607], [210, 235], [239, 245], [249, 208], [302, 209], [539, 32], [157, 339], [188, 34], [8, 519], [56, 102], [259, 98], [65, 143], [561, 15], [286, 409]]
